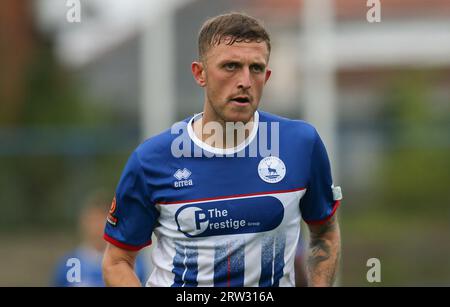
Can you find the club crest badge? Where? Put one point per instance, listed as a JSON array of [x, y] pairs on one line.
[[271, 169]]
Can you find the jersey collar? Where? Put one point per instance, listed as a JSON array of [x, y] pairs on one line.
[[222, 151]]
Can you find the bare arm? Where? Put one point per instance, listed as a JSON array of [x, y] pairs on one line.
[[118, 267], [324, 253]]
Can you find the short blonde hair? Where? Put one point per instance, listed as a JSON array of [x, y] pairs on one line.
[[230, 28]]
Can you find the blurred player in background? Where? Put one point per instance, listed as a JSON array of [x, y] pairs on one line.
[[90, 251]]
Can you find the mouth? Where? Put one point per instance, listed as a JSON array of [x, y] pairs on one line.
[[241, 99]]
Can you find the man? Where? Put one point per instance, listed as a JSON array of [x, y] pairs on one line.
[[90, 250], [231, 215]]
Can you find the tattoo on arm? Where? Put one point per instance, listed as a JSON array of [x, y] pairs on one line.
[[324, 253]]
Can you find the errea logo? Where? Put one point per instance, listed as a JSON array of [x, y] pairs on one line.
[[183, 178]]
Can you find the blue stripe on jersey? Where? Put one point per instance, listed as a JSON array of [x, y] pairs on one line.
[[220, 266], [178, 265], [272, 260], [190, 277], [237, 265], [265, 280], [229, 264], [278, 267], [185, 266]]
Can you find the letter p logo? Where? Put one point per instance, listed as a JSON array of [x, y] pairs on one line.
[[200, 217]]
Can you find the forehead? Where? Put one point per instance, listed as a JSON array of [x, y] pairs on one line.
[[239, 51]]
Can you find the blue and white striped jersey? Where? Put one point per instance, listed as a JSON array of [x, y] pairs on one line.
[[226, 217]]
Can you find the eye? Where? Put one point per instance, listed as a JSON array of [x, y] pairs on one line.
[[230, 66], [257, 68]]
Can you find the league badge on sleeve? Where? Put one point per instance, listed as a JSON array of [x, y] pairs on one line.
[[271, 169], [111, 218]]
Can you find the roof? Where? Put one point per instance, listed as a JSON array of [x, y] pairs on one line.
[[354, 9]]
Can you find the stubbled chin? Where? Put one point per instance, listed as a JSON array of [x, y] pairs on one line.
[[244, 115]]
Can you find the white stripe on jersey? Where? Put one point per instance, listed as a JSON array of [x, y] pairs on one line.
[[168, 233]]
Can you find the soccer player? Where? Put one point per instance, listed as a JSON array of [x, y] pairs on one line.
[[225, 208], [89, 252]]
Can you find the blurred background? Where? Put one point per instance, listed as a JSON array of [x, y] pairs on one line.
[[77, 98]]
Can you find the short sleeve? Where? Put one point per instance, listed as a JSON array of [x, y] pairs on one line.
[[318, 204], [132, 216]]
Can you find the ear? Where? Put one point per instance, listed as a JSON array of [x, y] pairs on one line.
[[198, 71], [268, 73]]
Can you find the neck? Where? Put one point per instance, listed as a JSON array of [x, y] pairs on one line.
[[221, 134]]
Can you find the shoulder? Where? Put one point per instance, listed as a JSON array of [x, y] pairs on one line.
[[294, 129], [159, 146]]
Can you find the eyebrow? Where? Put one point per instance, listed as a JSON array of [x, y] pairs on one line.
[[226, 61]]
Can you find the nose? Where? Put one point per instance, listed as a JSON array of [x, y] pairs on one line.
[[244, 79]]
